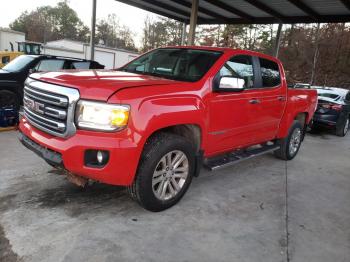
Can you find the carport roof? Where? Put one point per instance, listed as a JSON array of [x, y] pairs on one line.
[[250, 11]]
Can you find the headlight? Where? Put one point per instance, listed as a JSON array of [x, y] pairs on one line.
[[101, 116]]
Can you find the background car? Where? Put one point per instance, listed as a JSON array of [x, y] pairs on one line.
[[333, 110], [13, 75]]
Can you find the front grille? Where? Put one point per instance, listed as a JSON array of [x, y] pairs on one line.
[[50, 108]]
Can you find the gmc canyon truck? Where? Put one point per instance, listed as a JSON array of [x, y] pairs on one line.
[[152, 124]]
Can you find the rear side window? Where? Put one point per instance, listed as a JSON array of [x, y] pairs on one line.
[[80, 65], [329, 95], [270, 73], [5, 60], [50, 65]]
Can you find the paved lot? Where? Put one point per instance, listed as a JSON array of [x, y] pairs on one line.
[[261, 210]]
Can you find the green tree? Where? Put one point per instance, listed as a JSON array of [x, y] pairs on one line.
[[48, 23], [111, 33], [251, 37], [160, 32]]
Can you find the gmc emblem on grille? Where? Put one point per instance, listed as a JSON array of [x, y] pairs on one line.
[[34, 105]]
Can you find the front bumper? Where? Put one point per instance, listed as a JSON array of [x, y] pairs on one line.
[[52, 157], [69, 152]]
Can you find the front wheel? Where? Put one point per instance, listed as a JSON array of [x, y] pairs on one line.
[[165, 172], [290, 145]]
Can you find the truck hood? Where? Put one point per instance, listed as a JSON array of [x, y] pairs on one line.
[[99, 84], [6, 75]]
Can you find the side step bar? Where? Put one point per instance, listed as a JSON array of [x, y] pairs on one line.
[[235, 157]]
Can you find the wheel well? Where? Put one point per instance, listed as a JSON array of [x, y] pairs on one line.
[[189, 131], [301, 117]]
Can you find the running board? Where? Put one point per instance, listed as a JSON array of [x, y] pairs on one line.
[[235, 157]]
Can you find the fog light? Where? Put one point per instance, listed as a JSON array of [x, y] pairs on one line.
[[96, 158], [99, 157]]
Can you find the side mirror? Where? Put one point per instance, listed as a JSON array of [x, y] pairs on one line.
[[231, 84]]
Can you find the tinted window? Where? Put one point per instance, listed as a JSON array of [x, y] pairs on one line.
[[50, 65], [270, 73], [80, 65], [347, 97], [174, 63], [36, 49], [329, 95], [18, 63], [240, 67], [5, 60]]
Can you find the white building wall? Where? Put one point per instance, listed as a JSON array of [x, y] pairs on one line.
[[62, 52], [67, 44], [124, 57], [109, 57], [7, 36]]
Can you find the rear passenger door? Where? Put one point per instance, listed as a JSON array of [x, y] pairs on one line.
[[272, 96]]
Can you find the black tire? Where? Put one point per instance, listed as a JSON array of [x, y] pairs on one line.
[[312, 128], [343, 126], [8, 98], [284, 151], [155, 149]]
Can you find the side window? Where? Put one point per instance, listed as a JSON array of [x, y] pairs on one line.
[[50, 65], [240, 66], [5, 60], [270, 73], [80, 65]]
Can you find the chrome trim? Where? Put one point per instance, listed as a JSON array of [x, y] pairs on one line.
[[55, 125], [62, 100], [57, 113], [60, 103]]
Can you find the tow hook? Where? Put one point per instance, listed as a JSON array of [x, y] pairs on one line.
[[77, 180]]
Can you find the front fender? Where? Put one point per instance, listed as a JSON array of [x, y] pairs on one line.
[[157, 113], [153, 112]]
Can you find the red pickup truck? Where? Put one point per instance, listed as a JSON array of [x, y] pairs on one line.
[[152, 124]]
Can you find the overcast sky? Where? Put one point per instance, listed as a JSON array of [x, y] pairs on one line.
[[128, 15]]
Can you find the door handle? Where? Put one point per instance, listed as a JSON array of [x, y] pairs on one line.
[[281, 98], [254, 101]]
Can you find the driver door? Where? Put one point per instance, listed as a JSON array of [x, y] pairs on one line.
[[232, 116]]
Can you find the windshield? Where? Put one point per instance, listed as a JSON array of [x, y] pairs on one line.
[[174, 63], [18, 63]]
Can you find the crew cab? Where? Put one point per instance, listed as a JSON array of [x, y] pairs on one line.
[[152, 124], [13, 74]]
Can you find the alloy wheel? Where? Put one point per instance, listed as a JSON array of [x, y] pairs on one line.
[[295, 141], [170, 175], [346, 127]]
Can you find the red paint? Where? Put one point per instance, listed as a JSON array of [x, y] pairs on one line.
[[227, 120]]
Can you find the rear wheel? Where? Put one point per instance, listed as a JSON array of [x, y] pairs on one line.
[[343, 127], [290, 145], [165, 172]]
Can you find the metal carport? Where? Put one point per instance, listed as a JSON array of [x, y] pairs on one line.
[[280, 12]]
